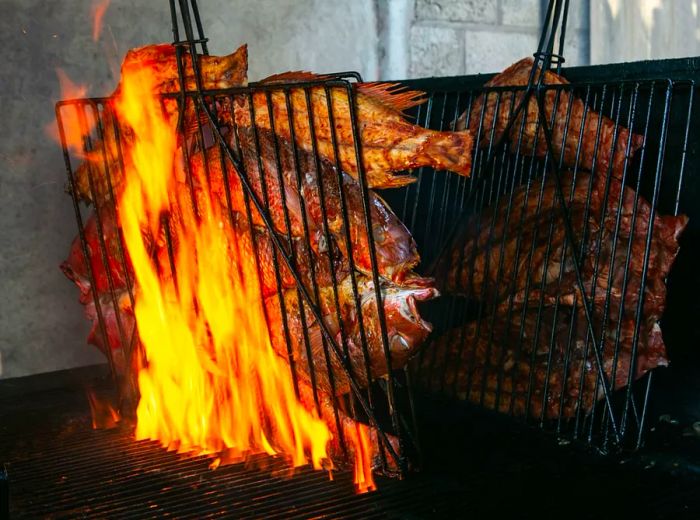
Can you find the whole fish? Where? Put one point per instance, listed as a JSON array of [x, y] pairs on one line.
[[102, 162], [571, 121], [217, 72], [406, 331], [320, 189], [388, 142]]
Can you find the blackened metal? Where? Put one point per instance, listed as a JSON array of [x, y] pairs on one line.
[[4, 493], [81, 229], [577, 269]]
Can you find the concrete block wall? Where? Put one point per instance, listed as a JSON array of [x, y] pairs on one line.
[[453, 37], [42, 327]]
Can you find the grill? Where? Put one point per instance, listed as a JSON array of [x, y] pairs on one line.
[[510, 213], [548, 322]]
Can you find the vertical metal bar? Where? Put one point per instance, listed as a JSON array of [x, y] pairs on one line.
[[499, 269], [691, 97], [305, 224], [579, 279], [396, 423], [262, 175], [449, 181], [615, 240], [81, 231], [421, 170], [615, 108], [318, 168], [346, 226], [409, 188], [134, 345], [200, 30], [647, 248], [434, 182]]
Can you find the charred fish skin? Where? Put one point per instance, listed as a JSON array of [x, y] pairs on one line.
[[520, 260], [603, 144], [389, 143]]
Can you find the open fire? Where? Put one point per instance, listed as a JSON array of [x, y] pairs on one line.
[[238, 351], [212, 380], [209, 379]]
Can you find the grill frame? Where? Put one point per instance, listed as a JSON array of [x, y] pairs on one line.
[[96, 116], [401, 415], [672, 121]]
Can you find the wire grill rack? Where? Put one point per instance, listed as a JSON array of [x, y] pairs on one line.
[[437, 209]]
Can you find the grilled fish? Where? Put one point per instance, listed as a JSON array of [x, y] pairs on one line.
[[319, 189], [570, 118], [217, 72], [286, 195], [102, 162], [406, 331], [388, 142]]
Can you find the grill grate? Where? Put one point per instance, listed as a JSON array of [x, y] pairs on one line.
[[58, 467]]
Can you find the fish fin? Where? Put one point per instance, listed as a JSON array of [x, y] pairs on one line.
[[394, 95], [293, 76], [315, 339]]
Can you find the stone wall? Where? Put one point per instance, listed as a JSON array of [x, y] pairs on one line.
[[42, 327], [630, 31], [453, 37]]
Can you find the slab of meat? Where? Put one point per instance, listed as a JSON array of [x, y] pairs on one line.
[[521, 254], [599, 148], [514, 263], [497, 367]]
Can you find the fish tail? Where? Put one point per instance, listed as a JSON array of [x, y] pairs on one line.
[[450, 151]]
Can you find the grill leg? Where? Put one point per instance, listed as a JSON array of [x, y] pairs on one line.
[[4, 494]]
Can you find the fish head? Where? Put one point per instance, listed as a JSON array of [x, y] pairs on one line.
[[406, 329], [395, 248]]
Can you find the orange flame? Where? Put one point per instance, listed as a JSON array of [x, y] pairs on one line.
[[104, 415], [74, 130], [359, 438], [98, 13], [212, 380]]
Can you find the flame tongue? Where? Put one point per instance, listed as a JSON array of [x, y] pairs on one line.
[[211, 379]]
